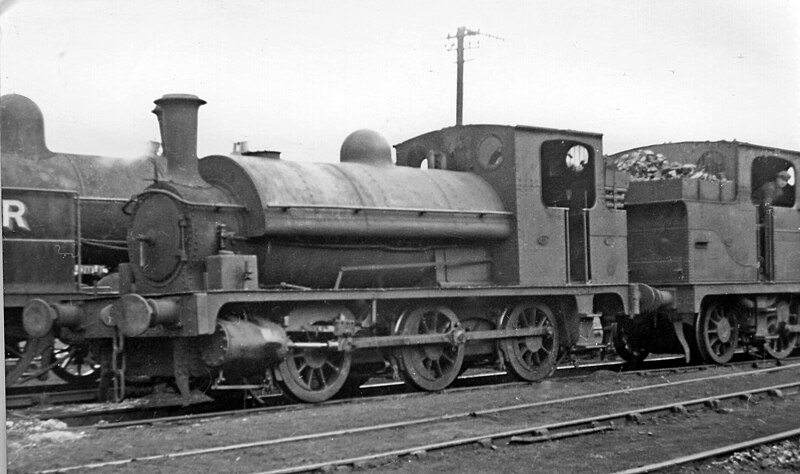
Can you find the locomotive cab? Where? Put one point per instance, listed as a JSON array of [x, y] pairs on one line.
[[563, 234], [569, 228]]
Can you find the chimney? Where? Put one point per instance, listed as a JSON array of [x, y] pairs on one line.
[[177, 119]]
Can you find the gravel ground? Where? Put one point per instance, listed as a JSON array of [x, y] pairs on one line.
[[780, 457], [36, 445]]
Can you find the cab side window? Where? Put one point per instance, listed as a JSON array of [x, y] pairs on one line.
[[773, 182], [568, 174]]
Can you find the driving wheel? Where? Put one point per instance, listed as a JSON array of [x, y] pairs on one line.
[[313, 374], [429, 366], [531, 358]]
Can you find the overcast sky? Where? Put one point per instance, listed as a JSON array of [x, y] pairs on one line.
[[299, 76]]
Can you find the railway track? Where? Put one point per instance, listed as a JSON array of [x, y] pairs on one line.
[[571, 428], [358, 445], [142, 415], [62, 395], [24, 396], [116, 417]]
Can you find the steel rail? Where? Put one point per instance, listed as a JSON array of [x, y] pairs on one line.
[[561, 374], [371, 386], [251, 411], [377, 386], [451, 417], [55, 397], [520, 431], [731, 448]]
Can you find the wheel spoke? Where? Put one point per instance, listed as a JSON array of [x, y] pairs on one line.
[[527, 357], [305, 375], [64, 362], [321, 377], [423, 329], [437, 323], [334, 368], [427, 363], [530, 319], [448, 357], [437, 368]]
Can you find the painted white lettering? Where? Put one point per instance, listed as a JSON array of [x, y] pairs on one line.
[[14, 215]]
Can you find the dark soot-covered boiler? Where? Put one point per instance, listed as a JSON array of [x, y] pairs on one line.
[[361, 222], [45, 188], [62, 215]]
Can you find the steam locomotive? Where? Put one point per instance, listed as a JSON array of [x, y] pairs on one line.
[[480, 245], [63, 232], [731, 261]]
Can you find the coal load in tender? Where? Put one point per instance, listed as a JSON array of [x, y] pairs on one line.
[[646, 165]]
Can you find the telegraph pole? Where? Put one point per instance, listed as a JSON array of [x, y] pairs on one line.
[[460, 35]]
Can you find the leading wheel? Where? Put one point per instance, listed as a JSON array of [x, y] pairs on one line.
[[531, 358], [429, 366], [781, 342], [717, 333], [313, 375]]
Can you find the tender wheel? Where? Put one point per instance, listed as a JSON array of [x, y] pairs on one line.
[[531, 358], [717, 333], [430, 366], [313, 375], [75, 364], [626, 344], [784, 342]]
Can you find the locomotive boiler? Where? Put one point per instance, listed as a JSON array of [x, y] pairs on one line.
[[362, 222], [63, 229], [247, 269]]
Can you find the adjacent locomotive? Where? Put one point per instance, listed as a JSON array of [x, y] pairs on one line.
[[247, 269], [63, 230], [730, 259]]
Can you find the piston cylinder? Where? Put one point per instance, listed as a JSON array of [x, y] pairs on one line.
[[246, 347]]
